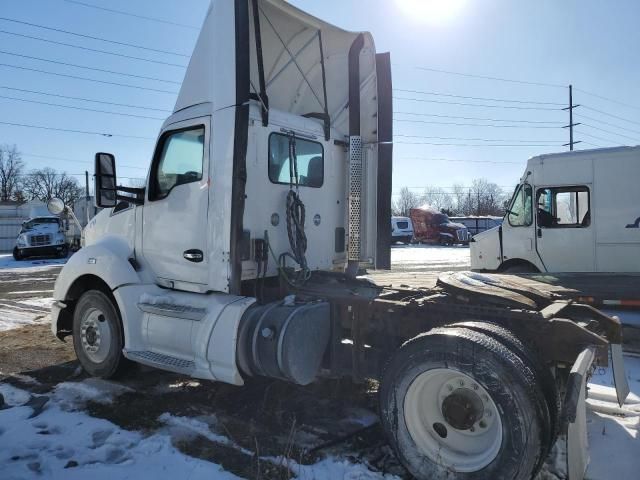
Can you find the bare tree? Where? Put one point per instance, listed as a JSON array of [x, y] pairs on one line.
[[438, 198], [46, 183], [11, 167], [482, 198], [405, 202]]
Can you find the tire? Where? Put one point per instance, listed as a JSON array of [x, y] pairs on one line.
[[437, 391], [524, 267], [543, 376], [98, 337], [16, 254], [444, 241]]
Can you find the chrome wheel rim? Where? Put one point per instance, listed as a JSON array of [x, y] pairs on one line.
[[95, 335], [453, 420]]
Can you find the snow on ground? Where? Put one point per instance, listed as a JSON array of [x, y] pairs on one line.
[[7, 262], [418, 258], [63, 442]]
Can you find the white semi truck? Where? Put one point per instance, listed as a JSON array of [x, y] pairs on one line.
[[572, 212], [269, 189]]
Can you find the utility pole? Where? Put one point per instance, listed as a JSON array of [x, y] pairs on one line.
[[571, 124]]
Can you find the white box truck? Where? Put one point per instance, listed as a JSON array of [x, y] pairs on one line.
[[268, 190], [572, 212]]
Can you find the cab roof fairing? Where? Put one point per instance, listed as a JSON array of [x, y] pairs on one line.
[[292, 65]]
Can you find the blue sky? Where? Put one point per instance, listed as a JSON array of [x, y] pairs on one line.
[[589, 43]]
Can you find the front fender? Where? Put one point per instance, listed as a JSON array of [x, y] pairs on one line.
[[107, 259]]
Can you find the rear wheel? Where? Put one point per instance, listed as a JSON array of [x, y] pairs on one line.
[[456, 404], [98, 338]]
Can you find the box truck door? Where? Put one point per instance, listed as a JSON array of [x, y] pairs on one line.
[[175, 228], [564, 234]]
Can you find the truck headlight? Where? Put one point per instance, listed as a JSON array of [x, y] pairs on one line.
[[22, 240]]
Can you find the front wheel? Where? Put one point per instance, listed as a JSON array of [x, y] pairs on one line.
[[98, 338], [16, 254], [457, 405]]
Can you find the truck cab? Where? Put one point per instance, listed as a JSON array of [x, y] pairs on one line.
[[41, 236], [571, 212], [431, 226], [268, 193]]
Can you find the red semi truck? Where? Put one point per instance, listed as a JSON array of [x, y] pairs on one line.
[[431, 226]]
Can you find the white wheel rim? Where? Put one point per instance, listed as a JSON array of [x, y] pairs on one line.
[[462, 450], [95, 335]]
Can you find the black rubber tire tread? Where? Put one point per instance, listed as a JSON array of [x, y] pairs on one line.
[[501, 371], [524, 267], [115, 364], [544, 377]]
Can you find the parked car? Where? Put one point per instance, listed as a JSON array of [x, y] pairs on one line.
[[401, 230], [41, 236], [431, 226], [477, 225]]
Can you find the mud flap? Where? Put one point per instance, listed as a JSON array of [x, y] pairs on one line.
[[619, 374], [575, 415]]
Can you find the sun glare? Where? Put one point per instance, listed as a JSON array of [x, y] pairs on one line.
[[432, 11]]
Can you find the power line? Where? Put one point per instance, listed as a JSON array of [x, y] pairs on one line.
[[66, 64], [86, 78], [81, 108], [597, 138], [458, 160], [37, 92], [120, 12], [581, 115], [477, 118], [40, 39], [476, 139], [476, 104], [478, 98], [610, 115], [102, 134], [472, 124], [486, 77], [624, 104], [49, 157], [476, 144], [60, 174], [100, 39], [610, 132]]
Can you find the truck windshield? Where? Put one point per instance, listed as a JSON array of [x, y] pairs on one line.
[[440, 218], [520, 209], [39, 221]]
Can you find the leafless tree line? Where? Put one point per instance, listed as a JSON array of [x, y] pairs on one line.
[[481, 198], [38, 184]]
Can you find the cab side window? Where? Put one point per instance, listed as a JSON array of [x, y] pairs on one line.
[[521, 208], [309, 161], [563, 207], [179, 160]]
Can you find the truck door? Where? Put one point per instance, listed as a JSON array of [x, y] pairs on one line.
[[564, 234], [174, 237], [517, 231]]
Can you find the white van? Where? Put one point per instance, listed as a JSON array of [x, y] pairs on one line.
[[401, 230], [572, 212]]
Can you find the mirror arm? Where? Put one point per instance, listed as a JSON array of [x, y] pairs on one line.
[[137, 199]]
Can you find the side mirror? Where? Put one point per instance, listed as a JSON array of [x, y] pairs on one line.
[[105, 180], [55, 206]]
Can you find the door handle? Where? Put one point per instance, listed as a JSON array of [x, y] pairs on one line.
[[193, 255], [539, 232]]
